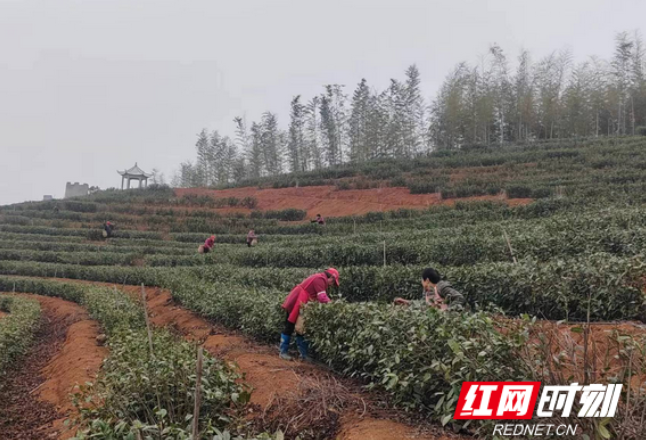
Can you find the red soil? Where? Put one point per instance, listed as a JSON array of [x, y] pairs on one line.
[[372, 429], [77, 361], [331, 202], [64, 355], [3, 314]]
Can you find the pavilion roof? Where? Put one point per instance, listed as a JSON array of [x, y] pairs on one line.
[[135, 172]]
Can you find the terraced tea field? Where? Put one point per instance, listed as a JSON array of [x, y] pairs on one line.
[[545, 241]]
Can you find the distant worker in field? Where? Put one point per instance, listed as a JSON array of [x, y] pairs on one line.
[[252, 238], [108, 228], [207, 246], [313, 288], [319, 219], [438, 293]]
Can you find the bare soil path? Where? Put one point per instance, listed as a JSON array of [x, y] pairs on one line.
[[36, 399]]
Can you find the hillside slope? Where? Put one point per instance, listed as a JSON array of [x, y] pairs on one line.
[[329, 201]]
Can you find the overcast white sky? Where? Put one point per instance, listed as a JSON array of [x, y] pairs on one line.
[[91, 86]]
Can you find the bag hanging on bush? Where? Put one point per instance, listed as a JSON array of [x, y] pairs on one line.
[[299, 327]]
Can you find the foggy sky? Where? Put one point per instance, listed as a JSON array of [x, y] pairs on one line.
[[88, 87]]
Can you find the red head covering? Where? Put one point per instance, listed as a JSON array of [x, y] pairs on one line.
[[335, 274]]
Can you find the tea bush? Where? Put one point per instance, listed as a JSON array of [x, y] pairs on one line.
[[90, 234], [111, 247], [18, 237], [150, 276], [419, 356], [255, 312], [140, 392], [79, 206], [287, 215], [135, 387], [17, 328], [556, 290], [227, 238], [553, 290], [80, 258], [249, 202], [620, 232]]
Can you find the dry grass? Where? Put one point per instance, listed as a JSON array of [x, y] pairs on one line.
[[561, 354], [312, 410]]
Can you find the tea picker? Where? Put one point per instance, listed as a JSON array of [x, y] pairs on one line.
[[108, 228], [438, 293], [319, 219], [252, 238], [207, 246], [313, 288]]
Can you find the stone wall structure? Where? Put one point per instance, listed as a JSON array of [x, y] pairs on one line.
[[76, 189]]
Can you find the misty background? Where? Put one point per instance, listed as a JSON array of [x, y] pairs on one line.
[[87, 88]]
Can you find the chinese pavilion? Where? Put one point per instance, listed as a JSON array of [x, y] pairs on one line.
[[134, 173]]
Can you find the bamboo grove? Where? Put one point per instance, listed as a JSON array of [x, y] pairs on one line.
[[499, 99]]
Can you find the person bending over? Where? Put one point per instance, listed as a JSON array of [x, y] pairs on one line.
[[207, 246], [313, 288]]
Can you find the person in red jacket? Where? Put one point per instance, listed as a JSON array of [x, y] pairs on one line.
[[208, 245], [313, 288]]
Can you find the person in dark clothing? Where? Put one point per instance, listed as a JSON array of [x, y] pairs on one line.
[[108, 228], [438, 293]]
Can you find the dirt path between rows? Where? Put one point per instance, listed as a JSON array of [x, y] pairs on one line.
[[36, 401]]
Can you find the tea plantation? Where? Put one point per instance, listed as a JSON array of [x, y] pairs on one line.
[[570, 257]]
